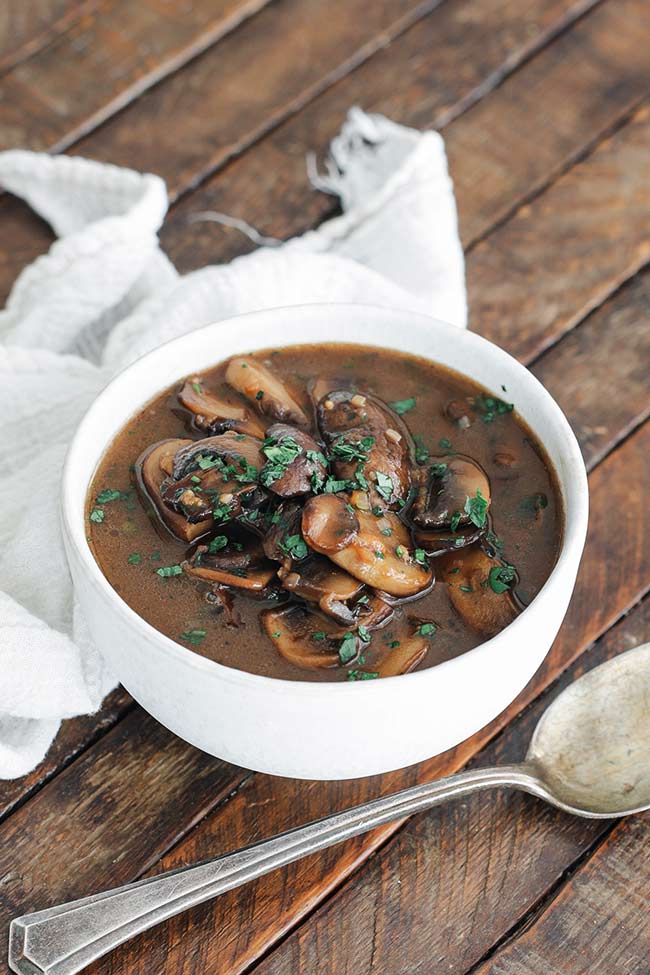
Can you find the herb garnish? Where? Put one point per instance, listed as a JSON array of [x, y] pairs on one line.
[[364, 633], [134, 559], [421, 450], [348, 648], [318, 635], [384, 485], [445, 444], [108, 494], [534, 502], [426, 629], [438, 470], [294, 546], [476, 508], [502, 578], [97, 515], [455, 520], [217, 543], [167, 571], [401, 406], [349, 450], [259, 394], [420, 556], [489, 407], [362, 675], [195, 637]]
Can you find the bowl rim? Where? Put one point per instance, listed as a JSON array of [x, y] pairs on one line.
[[74, 528]]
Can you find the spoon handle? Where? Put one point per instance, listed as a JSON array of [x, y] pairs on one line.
[[63, 940]]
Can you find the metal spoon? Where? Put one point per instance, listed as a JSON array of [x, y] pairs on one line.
[[589, 755]]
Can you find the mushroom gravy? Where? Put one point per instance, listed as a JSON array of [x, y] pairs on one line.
[[326, 512]]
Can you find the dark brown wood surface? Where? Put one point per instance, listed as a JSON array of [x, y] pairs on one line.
[[543, 107]]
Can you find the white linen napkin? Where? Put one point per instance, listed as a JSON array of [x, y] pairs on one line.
[[105, 293]]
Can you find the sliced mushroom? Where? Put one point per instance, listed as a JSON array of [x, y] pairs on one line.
[[318, 581], [268, 394], [152, 470], [237, 455], [213, 415], [305, 639], [295, 462], [240, 564], [222, 599], [410, 651], [329, 523], [367, 442], [437, 542], [467, 576], [378, 553], [443, 492], [282, 522]]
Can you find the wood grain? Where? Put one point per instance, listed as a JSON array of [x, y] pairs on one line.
[[454, 33], [27, 25], [106, 58], [101, 821], [600, 922], [213, 937], [605, 358], [562, 255], [454, 881]]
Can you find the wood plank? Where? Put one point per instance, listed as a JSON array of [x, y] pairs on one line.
[[115, 810], [454, 33], [454, 881], [105, 59], [562, 255], [27, 26], [74, 737], [494, 148], [607, 356], [213, 937], [599, 924]]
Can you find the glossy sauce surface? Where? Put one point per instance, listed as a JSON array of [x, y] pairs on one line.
[[450, 417]]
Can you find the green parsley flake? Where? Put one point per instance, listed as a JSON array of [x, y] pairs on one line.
[[167, 571], [393, 644], [155, 556], [364, 633], [134, 559], [502, 578], [276, 635], [421, 450], [195, 637], [534, 502], [217, 543], [402, 406], [197, 388], [426, 629], [348, 648], [455, 520], [439, 470], [97, 515], [362, 675], [489, 407], [318, 635], [294, 546], [476, 508], [387, 531], [334, 486], [379, 555], [108, 494], [466, 589], [445, 444], [384, 485], [420, 556], [349, 450], [399, 551], [259, 394]]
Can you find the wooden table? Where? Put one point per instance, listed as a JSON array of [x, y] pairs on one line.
[[541, 103]]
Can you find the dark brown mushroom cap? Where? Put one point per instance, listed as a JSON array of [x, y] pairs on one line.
[[436, 542], [304, 639], [283, 522], [295, 461], [152, 470], [318, 581], [364, 434], [467, 576], [379, 552], [213, 414], [264, 390], [236, 450], [443, 490], [329, 523], [411, 650], [237, 562]]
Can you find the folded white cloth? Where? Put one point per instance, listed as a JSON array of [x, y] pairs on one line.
[[105, 294]]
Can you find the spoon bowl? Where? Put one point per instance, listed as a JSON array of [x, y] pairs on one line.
[[591, 747]]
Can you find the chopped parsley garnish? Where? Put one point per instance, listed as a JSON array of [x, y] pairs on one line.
[[276, 635], [379, 555], [439, 470], [445, 444], [401, 406], [348, 648], [222, 513], [489, 407], [502, 578], [394, 644], [455, 520], [399, 551], [333, 486], [280, 454], [206, 463], [195, 479], [494, 541], [294, 546], [377, 512], [364, 634], [476, 508], [361, 477], [259, 394], [134, 559], [420, 556], [384, 485], [197, 388], [387, 531], [362, 675], [316, 457], [318, 635], [426, 629], [167, 571], [97, 515], [195, 637], [217, 543], [534, 502], [421, 450], [349, 450], [466, 589], [363, 599], [108, 494], [155, 556]]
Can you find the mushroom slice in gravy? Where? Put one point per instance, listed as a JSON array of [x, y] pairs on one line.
[[452, 491], [212, 415], [295, 462], [479, 588], [231, 562], [380, 553], [307, 640], [368, 443], [319, 581], [410, 651], [268, 394], [152, 470]]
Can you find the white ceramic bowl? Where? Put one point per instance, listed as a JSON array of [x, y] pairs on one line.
[[303, 729]]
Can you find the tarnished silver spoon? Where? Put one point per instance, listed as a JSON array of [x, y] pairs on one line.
[[589, 755]]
